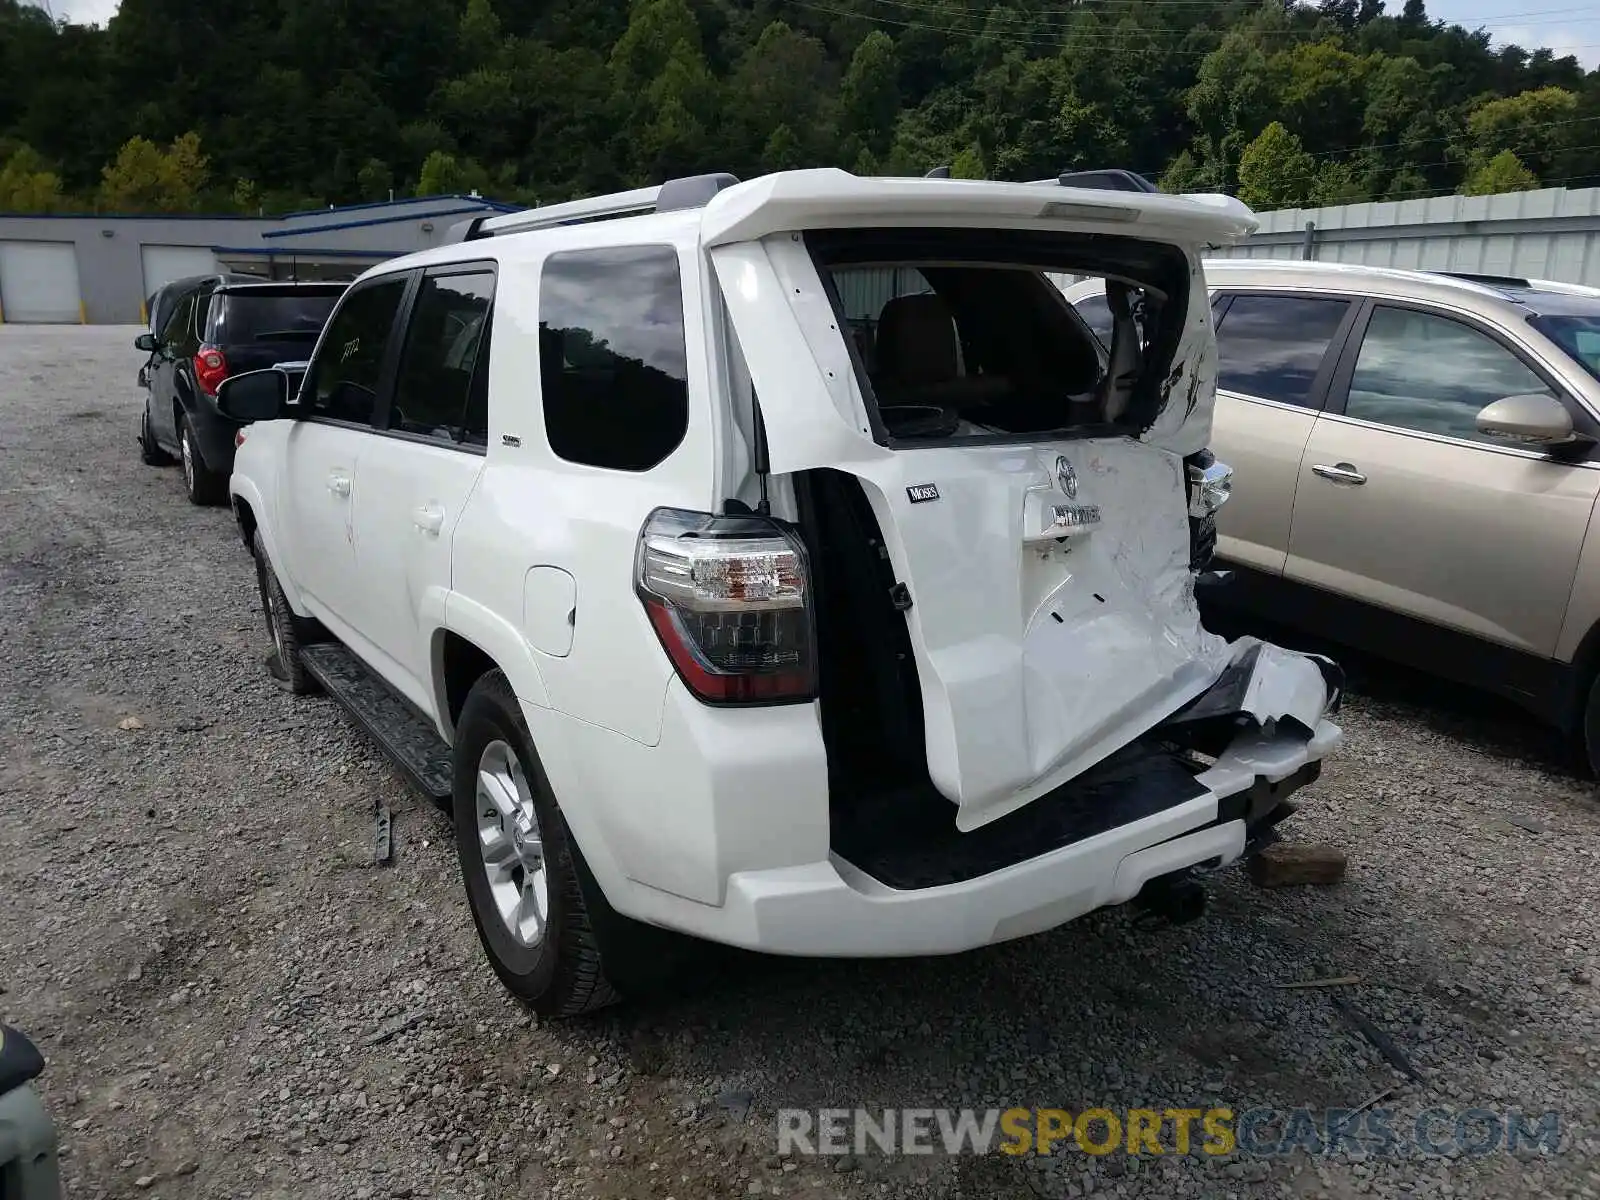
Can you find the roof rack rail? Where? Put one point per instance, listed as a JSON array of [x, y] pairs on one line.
[[1111, 179], [1487, 280], [691, 191]]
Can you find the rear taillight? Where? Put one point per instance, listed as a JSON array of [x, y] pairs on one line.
[[210, 369], [1210, 484], [729, 598]]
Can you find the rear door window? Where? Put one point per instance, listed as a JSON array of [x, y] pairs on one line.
[[440, 365], [343, 381], [1272, 346], [178, 336], [613, 358]]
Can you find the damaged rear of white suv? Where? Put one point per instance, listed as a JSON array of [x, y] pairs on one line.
[[998, 532], [819, 585]]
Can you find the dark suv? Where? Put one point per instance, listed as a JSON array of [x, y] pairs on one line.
[[166, 297], [207, 337]]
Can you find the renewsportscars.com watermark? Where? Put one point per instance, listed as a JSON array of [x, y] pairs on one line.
[[1216, 1132]]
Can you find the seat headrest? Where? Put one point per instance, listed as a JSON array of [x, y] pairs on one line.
[[917, 340]]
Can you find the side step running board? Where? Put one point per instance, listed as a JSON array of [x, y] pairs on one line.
[[403, 733]]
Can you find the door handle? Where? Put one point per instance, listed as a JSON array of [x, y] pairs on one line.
[[429, 518], [1341, 473], [339, 483]]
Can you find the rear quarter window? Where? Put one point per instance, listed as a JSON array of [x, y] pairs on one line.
[[1272, 345], [613, 358]]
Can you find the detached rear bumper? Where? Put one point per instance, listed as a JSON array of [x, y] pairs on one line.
[[834, 909], [740, 848]]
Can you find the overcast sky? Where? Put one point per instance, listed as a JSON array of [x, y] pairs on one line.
[[1564, 25]]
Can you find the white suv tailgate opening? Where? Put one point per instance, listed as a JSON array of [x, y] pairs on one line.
[[1047, 562]]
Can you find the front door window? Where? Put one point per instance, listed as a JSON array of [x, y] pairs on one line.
[[1433, 374]]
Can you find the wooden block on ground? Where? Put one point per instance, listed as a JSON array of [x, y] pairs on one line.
[[1283, 864]]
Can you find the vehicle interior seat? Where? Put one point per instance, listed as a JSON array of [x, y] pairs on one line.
[[918, 358]]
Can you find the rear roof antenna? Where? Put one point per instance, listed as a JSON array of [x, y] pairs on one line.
[[938, 173]]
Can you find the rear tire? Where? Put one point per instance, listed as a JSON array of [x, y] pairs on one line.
[[150, 452], [1584, 743], [521, 869], [287, 631], [204, 486]]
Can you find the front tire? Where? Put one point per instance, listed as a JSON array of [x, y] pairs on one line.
[[520, 867], [204, 486], [287, 631]]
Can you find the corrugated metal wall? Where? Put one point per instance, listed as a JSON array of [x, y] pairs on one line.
[[863, 291], [1551, 233]]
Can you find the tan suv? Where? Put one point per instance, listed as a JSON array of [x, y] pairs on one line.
[[1416, 469]]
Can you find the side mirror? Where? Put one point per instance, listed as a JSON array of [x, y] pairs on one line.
[[254, 396], [146, 342], [1530, 420]]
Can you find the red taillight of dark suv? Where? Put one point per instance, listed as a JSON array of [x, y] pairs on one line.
[[210, 369], [729, 597]]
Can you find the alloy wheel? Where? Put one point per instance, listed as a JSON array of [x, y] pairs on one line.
[[511, 845]]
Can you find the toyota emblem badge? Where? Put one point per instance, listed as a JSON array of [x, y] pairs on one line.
[[1066, 477]]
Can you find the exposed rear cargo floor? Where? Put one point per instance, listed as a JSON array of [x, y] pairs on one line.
[[908, 838]]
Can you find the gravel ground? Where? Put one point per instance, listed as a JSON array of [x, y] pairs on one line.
[[234, 1002]]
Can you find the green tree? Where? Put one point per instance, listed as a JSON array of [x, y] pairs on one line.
[[1343, 13], [28, 185], [145, 178], [485, 106], [1184, 175], [656, 29], [869, 94], [1502, 173], [1319, 88], [444, 174], [1275, 171], [782, 82], [1338, 183], [184, 170], [246, 196], [1234, 93], [1536, 126], [478, 34], [133, 183], [375, 179], [537, 99], [968, 165], [667, 96], [783, 151]]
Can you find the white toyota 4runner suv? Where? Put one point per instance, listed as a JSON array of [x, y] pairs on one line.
[[782, 563]]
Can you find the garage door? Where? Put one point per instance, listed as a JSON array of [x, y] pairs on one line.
[[39, 283], [163, 264]]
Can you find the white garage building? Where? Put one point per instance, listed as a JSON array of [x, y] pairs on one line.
[[100, 270]]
